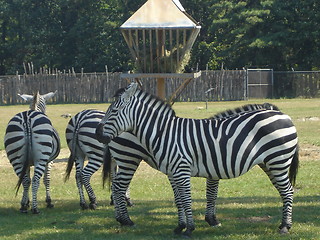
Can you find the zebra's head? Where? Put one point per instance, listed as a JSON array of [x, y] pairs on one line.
[[37, 101], [117, 117]]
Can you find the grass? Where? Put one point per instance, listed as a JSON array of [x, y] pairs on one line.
[[248, 207]]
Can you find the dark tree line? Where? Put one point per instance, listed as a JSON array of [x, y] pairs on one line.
[[85, 34]]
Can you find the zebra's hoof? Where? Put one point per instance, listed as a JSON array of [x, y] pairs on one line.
[[212, 221], [126, 222], [84, 206], [284, 230], [35, 211], [23, 210], [50, 205], [93, 206], [178, 230]]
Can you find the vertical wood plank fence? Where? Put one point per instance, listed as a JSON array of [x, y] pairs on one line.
[[100, 87], [225, 85]]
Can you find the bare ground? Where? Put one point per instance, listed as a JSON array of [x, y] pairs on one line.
[[307, 152]]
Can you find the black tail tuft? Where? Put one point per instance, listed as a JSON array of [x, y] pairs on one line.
[[294, 167], [71, 161], [106, 166]]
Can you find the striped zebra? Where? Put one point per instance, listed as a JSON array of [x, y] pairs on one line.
[[82, 143], [30, 140], [216, 149]]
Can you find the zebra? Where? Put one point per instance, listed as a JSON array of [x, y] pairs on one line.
[[30, 140], [82, 143], [221, 148]]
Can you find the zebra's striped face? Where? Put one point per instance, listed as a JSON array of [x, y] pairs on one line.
[[117, 118]]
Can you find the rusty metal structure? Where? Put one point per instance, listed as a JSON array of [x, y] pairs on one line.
[[160, 36]]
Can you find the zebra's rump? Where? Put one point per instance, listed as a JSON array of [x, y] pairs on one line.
[[28, 135]]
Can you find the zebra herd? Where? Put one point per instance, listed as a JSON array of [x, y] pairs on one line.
[[138, 126]]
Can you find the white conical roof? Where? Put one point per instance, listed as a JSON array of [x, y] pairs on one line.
[[160, 14]]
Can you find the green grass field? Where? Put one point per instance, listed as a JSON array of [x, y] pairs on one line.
[[248, 207]]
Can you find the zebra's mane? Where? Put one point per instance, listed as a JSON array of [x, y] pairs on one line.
[[119, 92], [35, 101], [245, 108], [162, 102]]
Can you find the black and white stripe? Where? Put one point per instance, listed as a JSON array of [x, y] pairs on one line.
[[216, 149], [83, 144], [30, 140]]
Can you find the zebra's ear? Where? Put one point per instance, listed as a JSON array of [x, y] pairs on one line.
[[26, 97], [130, 91], [49, 95]]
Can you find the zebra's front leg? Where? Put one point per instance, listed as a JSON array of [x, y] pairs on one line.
[[25, 202], [211, 194], [121, 211], [46, 181], [181, 213], [183, 184]]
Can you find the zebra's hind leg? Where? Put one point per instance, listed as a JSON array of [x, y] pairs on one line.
[[182, 224], [211, 194], [46, 181], [35, 186], [281, 182], [25, 202], [79, 166], [85, 177]]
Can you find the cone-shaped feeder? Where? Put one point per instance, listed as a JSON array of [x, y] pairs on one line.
[[160, 35]]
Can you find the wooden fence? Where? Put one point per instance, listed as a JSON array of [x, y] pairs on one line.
[[224, 85], [100, 87]]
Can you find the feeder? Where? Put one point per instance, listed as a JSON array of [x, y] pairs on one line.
[[160, 35]]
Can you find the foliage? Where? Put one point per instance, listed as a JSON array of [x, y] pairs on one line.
[[85, 34]]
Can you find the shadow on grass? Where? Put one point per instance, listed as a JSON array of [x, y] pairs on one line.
[[154, 219]]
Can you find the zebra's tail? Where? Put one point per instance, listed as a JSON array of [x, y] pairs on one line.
[[72, 157], [106, 171], [26, 164], [294, 167]]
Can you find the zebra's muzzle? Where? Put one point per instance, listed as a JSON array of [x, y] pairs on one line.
[[99, 135]]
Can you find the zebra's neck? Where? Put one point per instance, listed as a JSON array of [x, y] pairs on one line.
[[152, 115]]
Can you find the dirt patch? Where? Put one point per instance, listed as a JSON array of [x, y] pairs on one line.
[[307, 152]]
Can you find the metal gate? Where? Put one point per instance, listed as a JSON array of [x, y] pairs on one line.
[[260, 83]]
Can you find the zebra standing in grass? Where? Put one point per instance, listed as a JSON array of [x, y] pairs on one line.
[[82, 142], [216, 149], [30, 140]]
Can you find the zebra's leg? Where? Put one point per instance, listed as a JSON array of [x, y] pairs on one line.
[[79, 162], [25, 202], [38, 172], [281, 182], [212, 193], [120, 185], [181, 213], [182, 181], [46, 181], [86, 174], [127, 195]]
